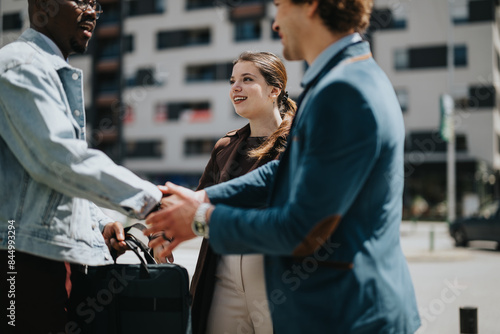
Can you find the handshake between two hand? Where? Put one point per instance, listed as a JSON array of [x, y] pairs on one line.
[[173, 221]]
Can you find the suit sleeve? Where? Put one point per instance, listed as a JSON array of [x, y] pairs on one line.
[[338, 146], [248, 191]]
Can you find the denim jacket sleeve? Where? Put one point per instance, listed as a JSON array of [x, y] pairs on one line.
[[39, 127], [100, 217]]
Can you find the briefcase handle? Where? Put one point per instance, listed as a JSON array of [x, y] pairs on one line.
[[137, 232], [137, 245]]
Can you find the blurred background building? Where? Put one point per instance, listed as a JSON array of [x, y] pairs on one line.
[[157, 91]]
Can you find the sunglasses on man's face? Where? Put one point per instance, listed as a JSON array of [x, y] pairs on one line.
[[84, 5]]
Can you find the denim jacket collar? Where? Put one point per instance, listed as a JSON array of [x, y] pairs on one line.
[[37, 41]]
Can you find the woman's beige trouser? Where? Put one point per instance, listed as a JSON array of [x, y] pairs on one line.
[[240, 305]]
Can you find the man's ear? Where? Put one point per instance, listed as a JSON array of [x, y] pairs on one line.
[[51, 7], [313, 7], [40, 5], [39, 14]]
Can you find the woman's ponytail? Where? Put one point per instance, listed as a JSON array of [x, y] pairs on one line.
[[276, 143]]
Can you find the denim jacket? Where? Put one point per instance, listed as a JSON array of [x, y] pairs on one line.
[[49, 177]]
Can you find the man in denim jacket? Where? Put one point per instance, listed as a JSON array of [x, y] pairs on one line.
[[49, 177]]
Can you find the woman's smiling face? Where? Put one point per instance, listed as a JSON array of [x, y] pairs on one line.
[[250, 93]]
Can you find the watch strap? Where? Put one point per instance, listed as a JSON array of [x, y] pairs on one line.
[[199, 224]]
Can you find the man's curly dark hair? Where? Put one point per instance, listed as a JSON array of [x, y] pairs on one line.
[[343, 15]]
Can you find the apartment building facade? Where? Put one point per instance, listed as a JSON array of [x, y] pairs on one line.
[[410, 42], [157, 90]]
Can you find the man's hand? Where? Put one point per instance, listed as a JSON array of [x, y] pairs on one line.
[[159, 248], [176, 218], [114, 236], [168, 196]]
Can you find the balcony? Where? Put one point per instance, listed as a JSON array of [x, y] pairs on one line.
[[108, 65], [251, 11]]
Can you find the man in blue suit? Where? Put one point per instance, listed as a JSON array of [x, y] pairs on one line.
[[327, 215]]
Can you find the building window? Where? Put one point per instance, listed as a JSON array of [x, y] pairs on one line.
[[248, 2], [460, 56], [181, 38], [144, 149], [107, 82], [401, 59], [128, 115], [198, 4], [481, 10], [498, 60], [465, 11], [385, 18], [459, 11], [110, 49], [247, 30], [460, 143], [460, 96], [143, 77], [128, 43], [144, 7], [431, 142], [12, 21], [112, 14], [498, 143], [482, 96], [402, 95], [428, 57], [191, 112], [212, 72], [199, 146]]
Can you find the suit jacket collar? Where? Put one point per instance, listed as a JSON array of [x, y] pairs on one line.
[[324, 57], [351, 50]]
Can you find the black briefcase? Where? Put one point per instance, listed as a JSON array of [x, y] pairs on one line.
[[131, 298]]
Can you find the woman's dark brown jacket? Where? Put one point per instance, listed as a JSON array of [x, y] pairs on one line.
[[229, 159]]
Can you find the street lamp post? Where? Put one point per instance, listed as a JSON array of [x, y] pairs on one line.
[[451, 187], [1, 25]]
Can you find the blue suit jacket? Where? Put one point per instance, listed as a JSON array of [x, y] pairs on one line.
[[330, 229]]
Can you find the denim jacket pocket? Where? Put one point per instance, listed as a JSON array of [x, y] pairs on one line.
[[50, 210], [84, 226]]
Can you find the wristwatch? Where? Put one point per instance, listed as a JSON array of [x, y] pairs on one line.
[[199, 224]]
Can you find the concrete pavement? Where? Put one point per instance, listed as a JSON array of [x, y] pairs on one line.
[[430, 241]]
